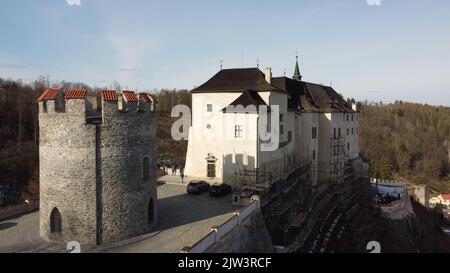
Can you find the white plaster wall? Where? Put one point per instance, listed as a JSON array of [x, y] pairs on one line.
[[232, 153], [306, 142]]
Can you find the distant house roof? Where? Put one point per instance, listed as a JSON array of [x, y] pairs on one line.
[[130, 96], [248, 97], [76, 94], [237, 80], [445, 196], [109, 95], [49, 94]]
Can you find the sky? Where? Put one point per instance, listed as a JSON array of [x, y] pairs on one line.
[[375, 50]]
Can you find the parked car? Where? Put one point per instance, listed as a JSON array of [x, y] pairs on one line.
[[197, 187], [219, 189]]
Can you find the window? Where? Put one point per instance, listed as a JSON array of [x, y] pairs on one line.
[[347, 117], [146, 168], [334, 133], [314, 155], [339, 132], [238, 131], [281, 117], [348, 146], [209, 108], [281, 129], [314, 132], [352, 117], [289, 136], [211, 168], [55, 221]]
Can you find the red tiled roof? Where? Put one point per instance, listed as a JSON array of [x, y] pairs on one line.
[[446, 196], [130, 96], [109, 95], [49, 94], [145, 97], [76, 94]]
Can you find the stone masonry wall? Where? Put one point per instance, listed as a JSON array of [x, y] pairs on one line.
[[93, 174], [126, 138], [67, 173]]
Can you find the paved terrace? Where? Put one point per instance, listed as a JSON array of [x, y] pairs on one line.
[[182, 220]]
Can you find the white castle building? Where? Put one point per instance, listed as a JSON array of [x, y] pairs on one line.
[[315, 124]]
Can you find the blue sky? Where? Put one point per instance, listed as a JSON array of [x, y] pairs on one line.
[[399, 50]]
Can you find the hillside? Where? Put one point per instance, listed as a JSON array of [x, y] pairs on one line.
[[407, 140]]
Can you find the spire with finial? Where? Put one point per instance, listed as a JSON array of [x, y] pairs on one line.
[[221, 64], [297, 75]]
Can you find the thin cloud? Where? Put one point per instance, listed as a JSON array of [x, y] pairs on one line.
[[127, 69], [73, 2], [16, 65]]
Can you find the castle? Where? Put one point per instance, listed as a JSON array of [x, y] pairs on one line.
[[316, 125], [97, 165]]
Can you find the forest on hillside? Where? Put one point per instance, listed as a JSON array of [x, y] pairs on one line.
[[401, 139], [407, 140]]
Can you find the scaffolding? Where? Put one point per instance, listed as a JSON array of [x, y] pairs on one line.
[[338, 158], [274, 177]]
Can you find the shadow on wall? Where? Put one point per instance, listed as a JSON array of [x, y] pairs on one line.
[[240, 163]]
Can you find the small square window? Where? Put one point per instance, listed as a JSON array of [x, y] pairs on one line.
[[238, 131], [209, 107]]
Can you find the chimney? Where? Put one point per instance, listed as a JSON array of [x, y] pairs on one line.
[[268, 74]]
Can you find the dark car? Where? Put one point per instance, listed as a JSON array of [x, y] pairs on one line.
[[219, 190], [197, 187]]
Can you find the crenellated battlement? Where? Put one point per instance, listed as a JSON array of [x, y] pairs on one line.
[[109, 103]]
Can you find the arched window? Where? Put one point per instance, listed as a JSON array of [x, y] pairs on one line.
[[55, 221], [151, 212], [146, 168]]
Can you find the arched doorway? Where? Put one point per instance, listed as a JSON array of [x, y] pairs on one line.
[[151, 212], [55, 221]]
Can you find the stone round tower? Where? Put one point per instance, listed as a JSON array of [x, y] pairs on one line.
[[97, 166]]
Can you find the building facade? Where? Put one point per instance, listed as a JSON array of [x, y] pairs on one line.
[[97, 166], [316, 125]]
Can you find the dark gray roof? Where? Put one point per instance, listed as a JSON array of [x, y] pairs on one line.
[[237, 80], [310, 97], [327, 99], [248, 97]]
